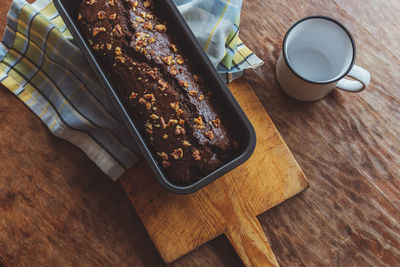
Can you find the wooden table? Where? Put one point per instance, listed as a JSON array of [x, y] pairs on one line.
[[56, 207]]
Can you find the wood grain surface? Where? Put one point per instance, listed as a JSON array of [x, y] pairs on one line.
[[57, 208], [178, 224]]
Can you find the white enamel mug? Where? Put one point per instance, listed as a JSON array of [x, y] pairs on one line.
[[317, 53]]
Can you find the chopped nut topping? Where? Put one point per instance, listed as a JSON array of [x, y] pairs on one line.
[[148, 105], [166, 164], [79, 16], [110, 3], [168, 60], [150, 97], [154, 116], [149, 126], [143, 51], [161, 28], [139, 19], [140, 35], [133, 3], [97, 30], [148, 26], [163, 124], [101, 15], [186, 143], [196, 154], [108, 47], [141, 40], [173, 71], [165, 136], [162, 85], [117, 30], [162, 155], [210, 135], [199, 121], [179, 59], [151, 73], [90, 2], [133, 95], [179, 130], [172, 122], [179, 112], [151, 40], [217, 122], [181, 122], [174, 105], [177, 154], [193, 92], [173, 47], [142, 100], [120, 59], [184, 84], [113, 16], [146, 3], [118, 51], [201, 97], [143, 14], [95, 47]]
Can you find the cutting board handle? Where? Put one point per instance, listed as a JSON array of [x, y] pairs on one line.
[[248, 239]]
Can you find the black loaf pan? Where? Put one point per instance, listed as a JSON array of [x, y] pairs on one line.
[[68, 9]]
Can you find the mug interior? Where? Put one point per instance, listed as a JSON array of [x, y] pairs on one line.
[[319, 49]]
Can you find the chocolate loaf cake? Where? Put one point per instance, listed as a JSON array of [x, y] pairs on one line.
[[160, 87]]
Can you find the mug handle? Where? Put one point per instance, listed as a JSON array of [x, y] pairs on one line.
[[361, 75]]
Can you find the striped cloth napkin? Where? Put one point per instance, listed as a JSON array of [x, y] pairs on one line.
[[40, 64]]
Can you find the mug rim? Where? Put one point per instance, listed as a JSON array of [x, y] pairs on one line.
[[332, 20]]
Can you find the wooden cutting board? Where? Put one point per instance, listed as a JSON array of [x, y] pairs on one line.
[[177, 224]]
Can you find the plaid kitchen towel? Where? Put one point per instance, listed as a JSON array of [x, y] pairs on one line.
[[216, 26], [41, 65]]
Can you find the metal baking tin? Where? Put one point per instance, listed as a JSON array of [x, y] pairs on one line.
[[68, 10]]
